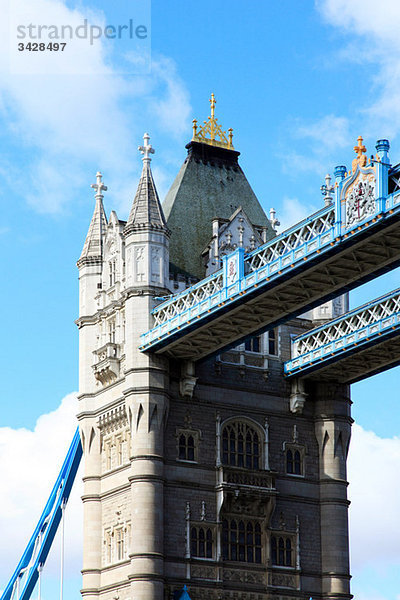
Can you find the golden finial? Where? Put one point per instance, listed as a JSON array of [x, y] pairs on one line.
[[211, 132], [230, 136], [213, 102], [194, 128], [361, 158]]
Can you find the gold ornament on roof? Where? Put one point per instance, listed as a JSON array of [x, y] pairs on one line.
[[361, 159], [211, 132]]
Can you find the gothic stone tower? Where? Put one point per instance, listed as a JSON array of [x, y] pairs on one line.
[[218, 475]]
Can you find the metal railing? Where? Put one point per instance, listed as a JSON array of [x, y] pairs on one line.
[[359, 326]]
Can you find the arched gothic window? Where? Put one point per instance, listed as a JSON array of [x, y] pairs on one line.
[[281, 551], [186, 447], [241, 445], [201, 542], [241, 541], [294, 462]]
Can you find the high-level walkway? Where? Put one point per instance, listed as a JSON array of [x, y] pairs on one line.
[[345, 244], [359, 344]]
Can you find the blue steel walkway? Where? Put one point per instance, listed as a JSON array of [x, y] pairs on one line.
[[357, 345]]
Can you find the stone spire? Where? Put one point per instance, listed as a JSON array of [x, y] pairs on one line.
[[146, 209], [92, 248]]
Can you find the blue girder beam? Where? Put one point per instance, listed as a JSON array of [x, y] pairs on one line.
[[197, 323], [361, 343]]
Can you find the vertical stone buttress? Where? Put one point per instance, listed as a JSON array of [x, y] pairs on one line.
[[333, 430], [90, 273], [146, 378]]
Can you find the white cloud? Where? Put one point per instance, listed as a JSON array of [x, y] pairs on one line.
[[321, 140], [66, 123], [374, 492], [364, 18], [29, 465], [372, 37], [330, 130], [293, 210]]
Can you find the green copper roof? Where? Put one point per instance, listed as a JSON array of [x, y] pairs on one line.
[[209, 184]]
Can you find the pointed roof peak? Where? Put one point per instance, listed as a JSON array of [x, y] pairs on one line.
[[93, 246], [146, 209]]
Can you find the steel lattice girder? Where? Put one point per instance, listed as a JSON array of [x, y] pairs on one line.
[[361, 343], [358, 363], [351, 261]]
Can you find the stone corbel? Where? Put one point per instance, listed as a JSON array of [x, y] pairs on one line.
[[188, 379], [297, 396]]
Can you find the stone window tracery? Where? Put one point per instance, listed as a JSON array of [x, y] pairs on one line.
[[294, 455], [241, 541], [111, 331], [294, 462], [201, 542], [241, 445], [116, 543], [112, 267], [187, 444], [253, 344], [282, 551], [272, 341], [115, 450]]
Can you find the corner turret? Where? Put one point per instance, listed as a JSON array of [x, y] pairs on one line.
[[146, 233]]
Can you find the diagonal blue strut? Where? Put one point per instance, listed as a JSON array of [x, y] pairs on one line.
[[25, 576]]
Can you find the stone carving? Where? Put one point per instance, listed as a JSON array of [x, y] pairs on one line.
[[297, 396], [203, 572], [242, 596], [255, 479], [140, 267], [248, 504], [188, 379], [242, 576], [282, 580], [155, 265], [360, 203], [107, 367]]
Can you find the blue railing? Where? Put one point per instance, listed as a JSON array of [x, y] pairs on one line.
[[266, 263], [362, 326]]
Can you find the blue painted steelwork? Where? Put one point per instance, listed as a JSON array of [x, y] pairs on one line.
[[313, 239], [207, 297], [182, 594], [23, 581], [370, 324]]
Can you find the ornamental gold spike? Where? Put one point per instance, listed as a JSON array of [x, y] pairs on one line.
[[211, 132], [361, 159]]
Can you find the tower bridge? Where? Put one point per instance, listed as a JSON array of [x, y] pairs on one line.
[[221, 474]]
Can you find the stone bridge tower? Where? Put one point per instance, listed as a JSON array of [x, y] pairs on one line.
[[216, 475]]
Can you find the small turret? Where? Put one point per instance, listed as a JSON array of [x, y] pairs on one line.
[[146, 211], [90, 263], [93, 246], [146, 234]]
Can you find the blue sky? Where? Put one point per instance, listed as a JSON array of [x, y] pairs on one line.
[[297, 81]]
